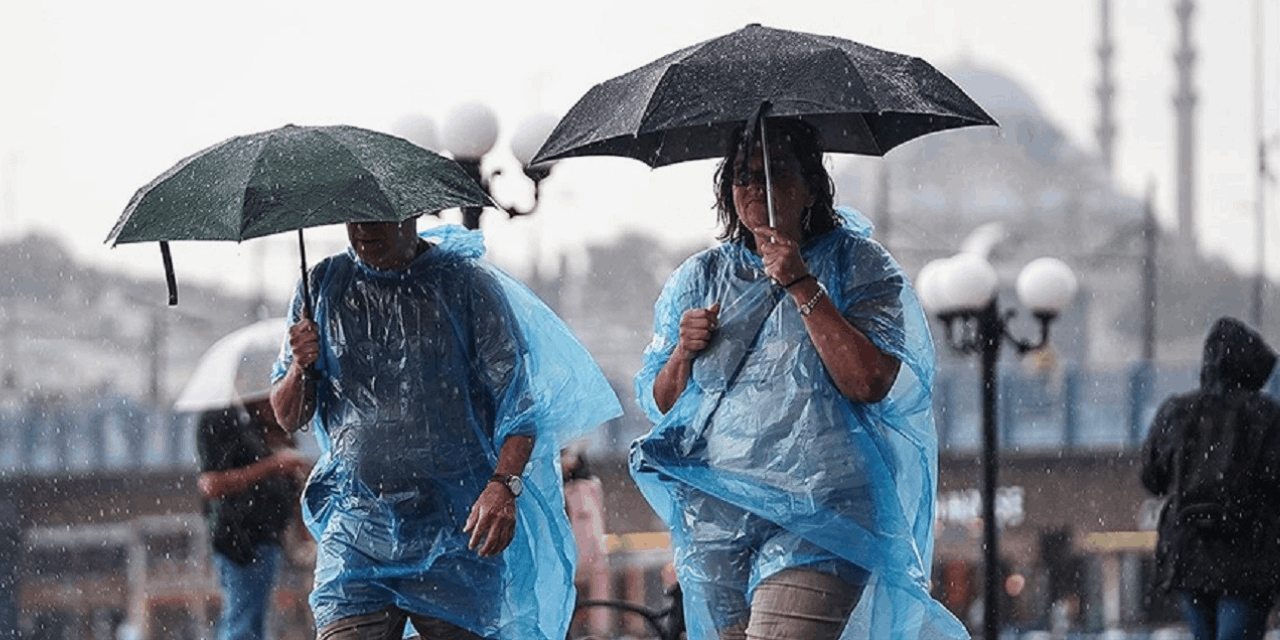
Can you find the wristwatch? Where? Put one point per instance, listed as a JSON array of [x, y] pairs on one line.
[[514, 484]]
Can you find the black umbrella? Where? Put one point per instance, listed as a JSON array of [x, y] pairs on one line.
[[684, 106], [289, 179]]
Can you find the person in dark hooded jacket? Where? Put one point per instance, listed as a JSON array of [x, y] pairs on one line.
[[1215, 454]]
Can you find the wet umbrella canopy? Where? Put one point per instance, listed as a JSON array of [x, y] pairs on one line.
[[288, 179], [236, 369], [683, 106]]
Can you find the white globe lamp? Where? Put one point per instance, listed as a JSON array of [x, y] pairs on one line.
[[1046, 286], [931, 288], [530, 136], [470, 131], [418, 129], [970, 282]]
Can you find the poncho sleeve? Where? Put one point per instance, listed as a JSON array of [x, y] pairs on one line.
[[685, 289]]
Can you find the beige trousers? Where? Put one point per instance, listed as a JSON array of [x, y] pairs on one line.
[[798, 604]]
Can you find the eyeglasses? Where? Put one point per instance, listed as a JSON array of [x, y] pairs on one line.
[[780, 171]]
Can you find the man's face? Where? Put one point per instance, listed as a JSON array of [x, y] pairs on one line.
[[384, 245]]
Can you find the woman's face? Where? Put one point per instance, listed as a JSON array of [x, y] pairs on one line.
[[790, 193]]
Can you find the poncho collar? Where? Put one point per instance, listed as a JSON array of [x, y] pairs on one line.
[[449, 243]]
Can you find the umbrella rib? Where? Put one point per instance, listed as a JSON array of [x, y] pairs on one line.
[[244, 193], [651, 105]]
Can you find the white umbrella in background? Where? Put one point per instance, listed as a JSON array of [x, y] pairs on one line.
[[236, 368]]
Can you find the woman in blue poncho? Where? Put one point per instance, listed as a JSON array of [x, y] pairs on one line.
[[793, 453]]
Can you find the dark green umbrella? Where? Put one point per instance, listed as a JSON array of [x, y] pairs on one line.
[[289, 179]]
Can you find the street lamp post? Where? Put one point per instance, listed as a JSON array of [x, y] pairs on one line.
[[961, 292], [471, 130]]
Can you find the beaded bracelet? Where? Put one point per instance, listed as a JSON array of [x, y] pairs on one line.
[[807, 308], [797, 281]]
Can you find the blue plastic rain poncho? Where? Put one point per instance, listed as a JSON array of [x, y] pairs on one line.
[[424, 373], [762, 451]]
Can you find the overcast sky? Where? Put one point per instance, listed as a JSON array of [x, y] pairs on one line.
[[100, 97]]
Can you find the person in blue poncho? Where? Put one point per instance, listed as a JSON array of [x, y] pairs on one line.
[[444, 391], [793, 453]]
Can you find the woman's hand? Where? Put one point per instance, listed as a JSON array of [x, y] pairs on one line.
[[858, 368], [781, 255], [697, 327]]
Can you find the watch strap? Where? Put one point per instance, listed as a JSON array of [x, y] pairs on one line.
[[509, 481]]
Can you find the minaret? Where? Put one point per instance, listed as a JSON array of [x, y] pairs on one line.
[[1106, 89], [1184, 106]]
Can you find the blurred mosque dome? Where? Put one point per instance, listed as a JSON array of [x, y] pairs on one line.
[[996, 93], [1026, 171], [1013, 107], [1049, 195]]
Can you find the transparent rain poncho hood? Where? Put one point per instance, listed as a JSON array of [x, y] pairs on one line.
[[424, 373], [761, 426]]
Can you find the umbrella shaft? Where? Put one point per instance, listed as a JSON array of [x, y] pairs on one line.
[[768, 176]]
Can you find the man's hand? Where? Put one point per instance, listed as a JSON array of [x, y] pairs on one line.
[[291, 464], [492, 522], [304, 340], [293, 397], [285, 463]]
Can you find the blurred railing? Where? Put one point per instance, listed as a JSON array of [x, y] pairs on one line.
[[60, 435], [1063, 408]]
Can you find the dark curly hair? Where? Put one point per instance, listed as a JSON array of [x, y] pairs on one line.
[[803, 143]]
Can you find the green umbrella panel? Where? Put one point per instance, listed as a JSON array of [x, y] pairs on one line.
[[290, 179]]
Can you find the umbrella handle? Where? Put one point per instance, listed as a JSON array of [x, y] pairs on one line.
[[307, 402], [306, 286]]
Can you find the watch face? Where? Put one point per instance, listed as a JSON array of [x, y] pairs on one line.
[[516, 484]]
